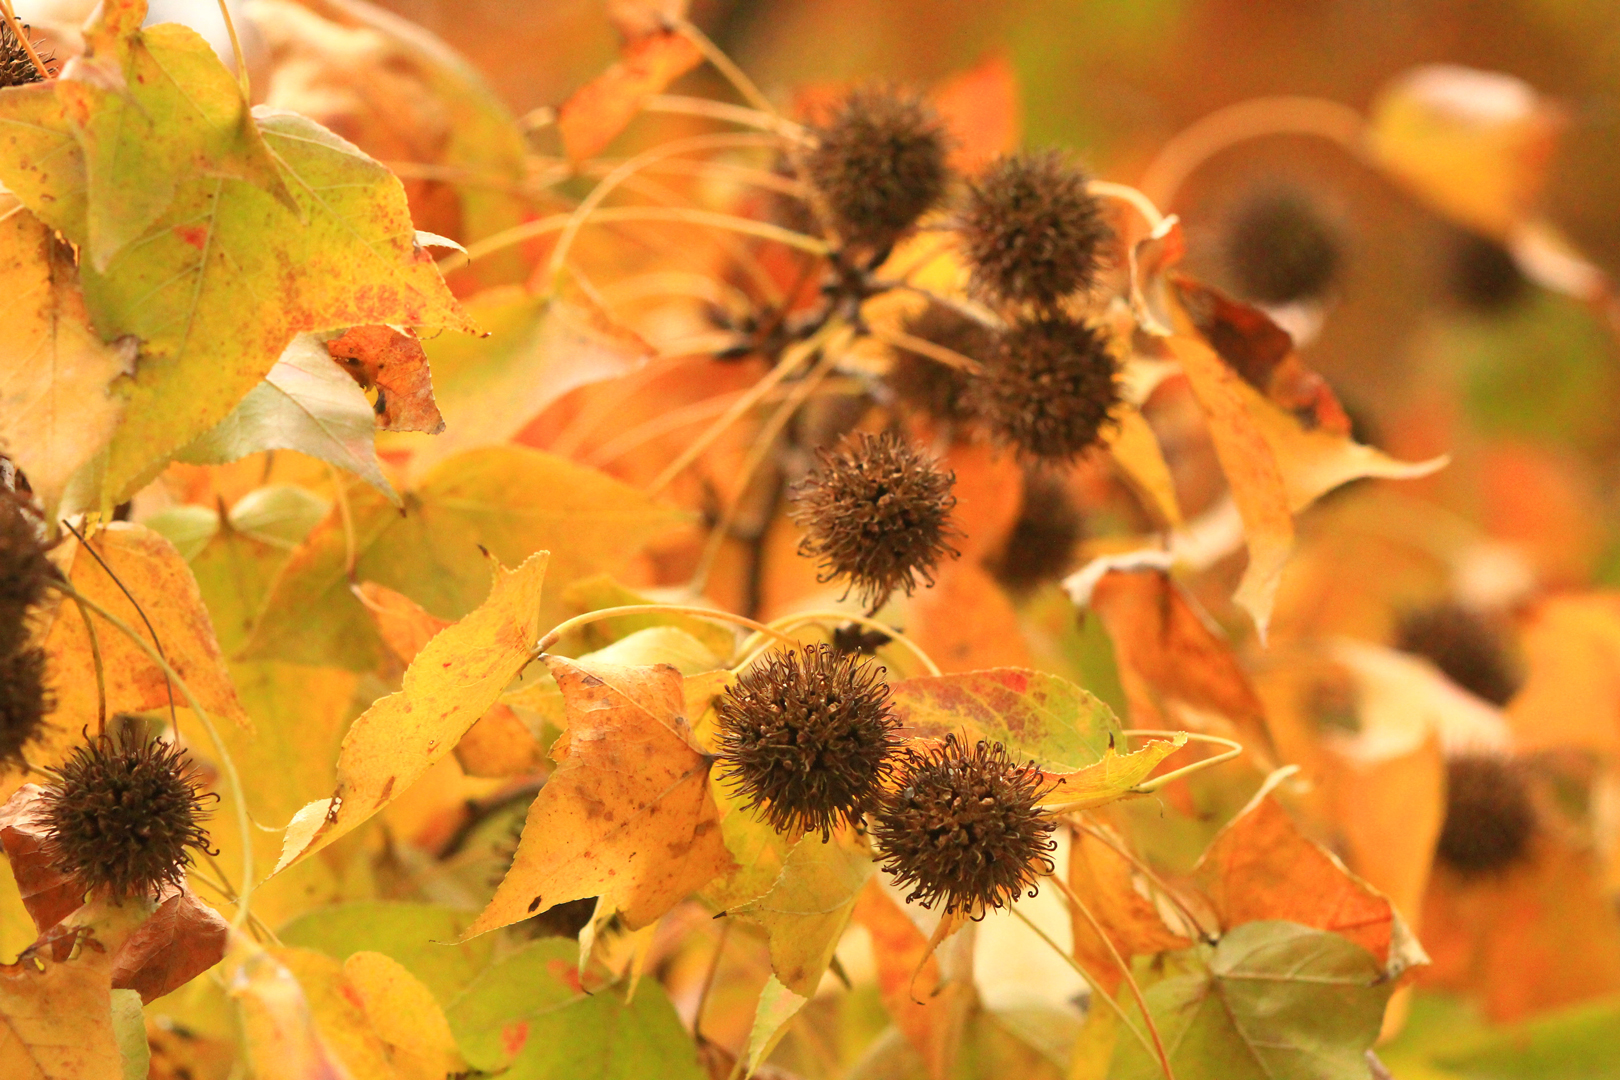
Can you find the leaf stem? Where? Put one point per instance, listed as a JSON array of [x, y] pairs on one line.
[[1147, 787], [1091, 980], [923, 347], [1124, 969], [788, 622], [1130, 196], [227, 764], [726, 66], [726, 112], [95, 657], [1145, 870], [555, 634], [236, 51]]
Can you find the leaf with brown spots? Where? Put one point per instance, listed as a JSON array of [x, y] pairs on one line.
[[452, 682], [393, 364], [596, 113], [629, 814]]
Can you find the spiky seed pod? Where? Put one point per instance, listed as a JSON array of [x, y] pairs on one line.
[[25, 701], [1482, 275], [877, 512], [1042, 542], [1051, 389], [124, 815], [1465, 646], [963, 827], [806, 737], [15, 67], [25, 571], [879, 164], [928, 386], [1280, 248], [1032, 231], [1490, 817]]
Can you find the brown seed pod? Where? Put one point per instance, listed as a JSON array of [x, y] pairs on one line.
[[25, 571], [1490, 817], [1464, 645], [1041, 545], [25, 701], [963, 827], [1051, 389], [1279, 248], [124, 815], [1032, 231], [879, 164], [16, 69], [877, 512], [928, 386], [806, 738]]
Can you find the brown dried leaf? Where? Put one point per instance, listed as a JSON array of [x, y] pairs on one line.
[[182, 939], [596, 113], [48, 895], [628, 815], [381, 358]]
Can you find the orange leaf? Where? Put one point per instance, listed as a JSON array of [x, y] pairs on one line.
[[383, 359], [1106, 883], [908, 977], [982, 110], [599, 110], [1571, 693], [966, 623], [1260, 866], [629, 815], [403, 623]]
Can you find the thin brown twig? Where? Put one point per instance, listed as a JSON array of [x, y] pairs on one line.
[[22, 39]]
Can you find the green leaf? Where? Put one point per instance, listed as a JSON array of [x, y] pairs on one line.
[[805, 912], [1272, 1000], [509, 499], [422, 937], [129, 1028], [1572, 1044], [527, 1018], [307, 403], [1035, 715], [777, 1005]]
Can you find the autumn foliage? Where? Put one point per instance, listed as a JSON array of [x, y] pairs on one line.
[[785, 582]]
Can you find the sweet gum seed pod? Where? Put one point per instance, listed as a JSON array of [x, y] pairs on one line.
[[1051, 388], [876, 511], [1464, 645], [1032, 231], [25, 701], [124, 815], [1041, 545], [879, 164], [26, 572], [930, 387], [1280, 248], [963, 829], [16, 69], [806, 738], [1490, 817]]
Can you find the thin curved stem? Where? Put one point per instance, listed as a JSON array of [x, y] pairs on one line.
[[236, 52], [555, 634], [1145, 870], [923, 347], [1091, 980], [764, 443], [1124, 969], [726, 112], [804, 618], [1131, 197], [726, 66], [101, 675], [1149, 786], [629, 168], [226, 763], [22, 39], [1189, 149]]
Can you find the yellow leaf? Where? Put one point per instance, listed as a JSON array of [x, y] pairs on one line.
[[1251, 471], [404, 1014], [57, 407], [1111, 778], [807, 909], [628, 815], [1136, 451], [452, 682], [340, 1018], [279, 1036]]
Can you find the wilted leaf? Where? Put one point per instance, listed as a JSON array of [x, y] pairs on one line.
[[628, 814], [305, 403], [1035, 715], [596, 113], [177, 942], [805, 912], [1273, 999], [1473, 144], [57, 405], [509, 499], [1251, 471], [48, 896], [381, 358], [454, 679], [528, 1018]]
